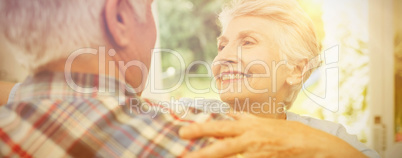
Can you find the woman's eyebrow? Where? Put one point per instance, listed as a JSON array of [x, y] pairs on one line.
[[248, 33], [222, 39], [242, 34]]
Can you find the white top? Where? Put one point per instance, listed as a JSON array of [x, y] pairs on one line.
[[334, 129], [12, 93]]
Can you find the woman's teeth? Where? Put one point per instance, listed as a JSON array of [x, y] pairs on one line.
[[234, 76]]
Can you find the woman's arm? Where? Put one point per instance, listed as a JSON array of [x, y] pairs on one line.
[[5, 89], [251, 136]]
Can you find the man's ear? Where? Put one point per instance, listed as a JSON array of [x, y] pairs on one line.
[[296, 72], [118, 19]]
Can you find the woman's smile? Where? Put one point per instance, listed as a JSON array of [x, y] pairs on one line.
[[232, 76]]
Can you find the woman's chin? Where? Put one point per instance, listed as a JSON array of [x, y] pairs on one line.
[[234, 97]]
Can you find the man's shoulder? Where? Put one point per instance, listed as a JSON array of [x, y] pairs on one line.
[[191, 110], [45, 102], [99, 121], [30, 111]]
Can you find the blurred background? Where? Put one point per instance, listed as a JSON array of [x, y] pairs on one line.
[[368, 34]]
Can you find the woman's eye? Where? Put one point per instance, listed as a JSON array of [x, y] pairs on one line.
[[221, 47], [247, 42]]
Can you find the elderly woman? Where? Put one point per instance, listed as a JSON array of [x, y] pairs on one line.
[[265, 48], [264, 52]]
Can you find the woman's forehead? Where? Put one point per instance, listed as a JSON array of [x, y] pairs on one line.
[[250, 24]]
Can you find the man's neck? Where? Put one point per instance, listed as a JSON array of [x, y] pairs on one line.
[[87, 64], [79, 65]]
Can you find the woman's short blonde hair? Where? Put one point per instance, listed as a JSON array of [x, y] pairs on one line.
[[299, 40]]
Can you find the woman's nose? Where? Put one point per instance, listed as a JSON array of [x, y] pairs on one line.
[[228, 55]]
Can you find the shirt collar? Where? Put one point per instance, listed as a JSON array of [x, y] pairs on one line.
[[58, 85]]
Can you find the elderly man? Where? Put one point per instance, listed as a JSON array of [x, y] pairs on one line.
[[88, 61]]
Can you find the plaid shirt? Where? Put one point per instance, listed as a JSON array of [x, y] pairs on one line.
[[49, 119]]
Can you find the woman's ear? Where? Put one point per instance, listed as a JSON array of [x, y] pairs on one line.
[[296, 72], [117, 16]]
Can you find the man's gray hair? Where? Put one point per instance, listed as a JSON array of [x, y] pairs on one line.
[[40, 31]]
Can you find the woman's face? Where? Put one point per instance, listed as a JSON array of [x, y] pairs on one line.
[[248, 68]]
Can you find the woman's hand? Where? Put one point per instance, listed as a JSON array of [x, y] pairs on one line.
[[251, 136]]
